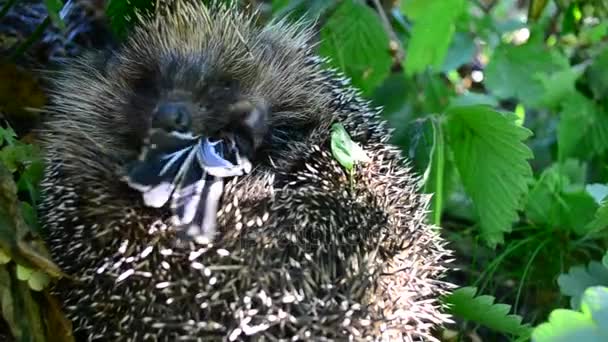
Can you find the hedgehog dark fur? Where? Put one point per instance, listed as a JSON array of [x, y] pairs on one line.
[[300, 254]]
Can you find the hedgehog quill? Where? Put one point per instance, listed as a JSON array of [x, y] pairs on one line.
[[200, 110]]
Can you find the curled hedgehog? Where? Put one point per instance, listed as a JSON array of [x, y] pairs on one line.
[[297, 249]]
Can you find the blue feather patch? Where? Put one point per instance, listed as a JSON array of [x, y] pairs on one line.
[[188, 172]]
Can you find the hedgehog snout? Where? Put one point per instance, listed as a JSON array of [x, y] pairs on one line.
[[172, 116]]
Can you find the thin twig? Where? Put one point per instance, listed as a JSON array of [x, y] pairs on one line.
[[395, 41]]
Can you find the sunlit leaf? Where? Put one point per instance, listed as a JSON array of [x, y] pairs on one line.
[[357, 44], [492, 161]]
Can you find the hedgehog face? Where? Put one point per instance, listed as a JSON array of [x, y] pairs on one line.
[[178, 94]]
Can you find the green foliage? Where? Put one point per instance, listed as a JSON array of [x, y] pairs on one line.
[[579, 278], [434, 25], [516, 71], [492, 161], [589, 325], [482, 310], [500, 107], [356, 42]]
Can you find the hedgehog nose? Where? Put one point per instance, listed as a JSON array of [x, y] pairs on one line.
[[172, 116]]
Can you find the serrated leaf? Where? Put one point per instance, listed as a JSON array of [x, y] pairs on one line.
[[600, 221], [357, 44], [513, 71], [492, 162], [566, 326], [583, 129], [556, 202], [482, 310], [595, 304], [432, 34], [579, 278], [588, 325]]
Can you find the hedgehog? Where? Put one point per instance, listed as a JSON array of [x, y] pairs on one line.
[[301, 250]]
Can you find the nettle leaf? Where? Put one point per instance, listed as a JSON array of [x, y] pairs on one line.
[[357, 44], [492, 161], [588, 325], [463, 304], [434, 26], [513, 71], [583, 128], [579, 278]]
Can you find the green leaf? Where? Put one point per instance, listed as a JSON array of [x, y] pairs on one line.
[[357, 44], [24, 273], [470, 99], [122, 14], [600, 221], [513, 71], [579, 278], [346, 151], [588, 325], [4, 257], [492, 161], [593, 34], [432, 34], [583, 129], [481, 309], [559, 85], [597, 75], [54, 7], [557, 202], [461, 51], [38, 280], [7, 136]]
